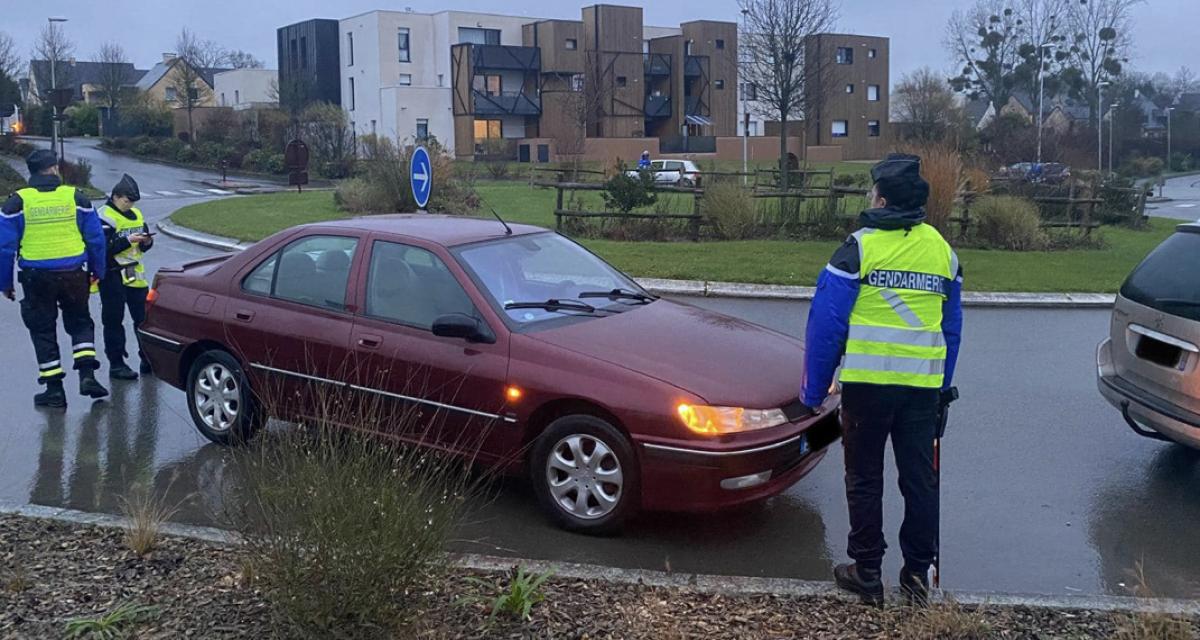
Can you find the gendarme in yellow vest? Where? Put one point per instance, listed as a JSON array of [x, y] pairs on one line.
[[133, 274], [896, 325], [51, 224]]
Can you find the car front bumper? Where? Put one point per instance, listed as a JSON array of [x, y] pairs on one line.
[[1145, 413], [687, 479]]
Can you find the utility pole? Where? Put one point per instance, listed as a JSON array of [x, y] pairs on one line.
[[745, 105], [1169, 110], [1112, 118], [54, 134]]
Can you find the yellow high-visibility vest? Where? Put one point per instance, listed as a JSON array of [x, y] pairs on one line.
[[129, 261], [51, 224]]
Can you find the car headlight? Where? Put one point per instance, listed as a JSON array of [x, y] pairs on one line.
[[713, 421]]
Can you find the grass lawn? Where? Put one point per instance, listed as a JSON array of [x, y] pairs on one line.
[[757, 261]]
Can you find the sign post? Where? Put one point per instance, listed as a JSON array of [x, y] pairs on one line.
[[421, 176]]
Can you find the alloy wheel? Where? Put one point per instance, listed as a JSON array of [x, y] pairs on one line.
[[218, 397], [584, 476]]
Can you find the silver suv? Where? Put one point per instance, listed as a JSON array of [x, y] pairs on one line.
[[1149, 367]]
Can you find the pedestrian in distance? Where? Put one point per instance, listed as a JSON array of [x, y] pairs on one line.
[[644, 161], [888, 309], [124, 285], [56, 235]]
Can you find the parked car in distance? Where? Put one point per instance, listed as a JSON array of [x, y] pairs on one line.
[[1149, 366], [1045, 172], [680, 173], [520, 348]]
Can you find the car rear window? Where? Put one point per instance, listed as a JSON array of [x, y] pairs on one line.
[[1167, 279]]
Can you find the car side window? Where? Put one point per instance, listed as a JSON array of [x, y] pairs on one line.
[[313, 271], [674, 166], [412, 286], [656, 165]]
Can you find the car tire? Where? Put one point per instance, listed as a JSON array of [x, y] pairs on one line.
[[220, 401], [610, 482]]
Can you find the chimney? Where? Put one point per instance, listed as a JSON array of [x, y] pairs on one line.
[[168, 57]]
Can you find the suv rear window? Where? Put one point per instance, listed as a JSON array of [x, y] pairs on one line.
[[1167, 279]]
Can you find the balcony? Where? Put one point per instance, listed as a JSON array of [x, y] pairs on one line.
[[695, 66], [516, 103], [694, 106], [658, 106], [657, 64], [501, 57]]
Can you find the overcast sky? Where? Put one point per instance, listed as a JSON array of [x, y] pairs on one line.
[[1165, 30]]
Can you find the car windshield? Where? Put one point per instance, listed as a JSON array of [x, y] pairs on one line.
[[543, 267]]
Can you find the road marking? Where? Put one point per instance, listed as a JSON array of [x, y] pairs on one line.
[[193, 193], [166, 193], [1185, 206], [221, 192]]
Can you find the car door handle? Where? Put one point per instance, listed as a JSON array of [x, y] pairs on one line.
[[244, 316], [369, 342]]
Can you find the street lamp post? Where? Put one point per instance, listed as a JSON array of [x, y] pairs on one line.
[[1112, 118], [1100, 125], [54, 135], [745, 106], [1169, 110], [1041, 94]]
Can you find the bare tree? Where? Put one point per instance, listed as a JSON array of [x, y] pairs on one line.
[[237, 59], [52, 46], [10, 60], [926, 104], [1042, 23], [114, 73], [187, 79], [986, 40], [1101, 40], [203, 54], [775, 43]]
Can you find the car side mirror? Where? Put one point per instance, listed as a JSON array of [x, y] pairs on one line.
[[461, 325]]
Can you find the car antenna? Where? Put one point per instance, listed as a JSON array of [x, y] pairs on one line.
[[507, 229]]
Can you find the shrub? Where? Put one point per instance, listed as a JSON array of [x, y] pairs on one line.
[[344, 532], [187, 155], [1007, 222], [330, 139], [1182, 161], [731, 210], [385, 168], [11, 145], [10, 179], [498, 170], [942, 168], [212, 153], [170, 148], [1141, 167], [625, 192], [82, 120], [358, 195], [78, 173], [143, 114], [145, 148], [144, 514], [264, 161]]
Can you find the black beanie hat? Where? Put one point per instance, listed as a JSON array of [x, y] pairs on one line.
[[40, 160], [127, 187], [898, 180]]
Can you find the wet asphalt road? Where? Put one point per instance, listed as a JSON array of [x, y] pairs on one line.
[[1184, 193], [1045, 489]]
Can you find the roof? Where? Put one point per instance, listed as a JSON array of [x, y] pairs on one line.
[[156, 73], [82, 73], [977, 109], [446, 230], [1189, 102]]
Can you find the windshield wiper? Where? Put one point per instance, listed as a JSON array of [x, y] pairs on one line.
[[619, 294], [553, 305]]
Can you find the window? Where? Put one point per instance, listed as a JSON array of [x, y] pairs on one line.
[[237, 96], [841, 128], [171, 94], [687, 48], [720, 43], [571, 44], [350, 48], [719, 84], [441, 79], [406, 79], [753, 130], [1165, 280], [312, 271], [402, 44], [622, 81], [873, 92], [577, 82], [303, 52], [749, 91], [412, 286], [223, 99], [845, 55], [871, 53], [422, 128], [485, 129], [873, 128], [474, 35], [352, 100], [849, 88], [295, 53], [490, 85]]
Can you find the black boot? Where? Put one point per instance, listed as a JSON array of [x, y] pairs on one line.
[[89, 386], [54, 396], [866, 583], [914, 587], [144, 368], [118, 370]]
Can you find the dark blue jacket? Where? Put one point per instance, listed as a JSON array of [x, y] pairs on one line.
[[12, 229], [837, 292]]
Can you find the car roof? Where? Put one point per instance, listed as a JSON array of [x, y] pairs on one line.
[[446, 230]]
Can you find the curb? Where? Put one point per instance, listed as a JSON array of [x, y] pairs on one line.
[[745, 291], [703, 583]]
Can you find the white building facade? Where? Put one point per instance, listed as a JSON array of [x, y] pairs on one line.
[[245, 88], [396, 76]]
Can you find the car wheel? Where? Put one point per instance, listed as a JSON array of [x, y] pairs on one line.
[[220, 401], [585, 474]]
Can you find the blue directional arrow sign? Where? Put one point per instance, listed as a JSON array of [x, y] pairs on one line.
[[421, 176]]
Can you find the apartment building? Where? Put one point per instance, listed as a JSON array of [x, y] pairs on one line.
[[852, 72], [309, 63], [465, 78]]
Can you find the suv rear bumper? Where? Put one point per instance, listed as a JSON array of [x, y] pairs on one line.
[[1143, 410]]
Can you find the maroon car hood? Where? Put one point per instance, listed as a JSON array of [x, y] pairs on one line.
[[724, 360]]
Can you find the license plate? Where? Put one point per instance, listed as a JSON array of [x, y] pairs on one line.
[[804, 445]]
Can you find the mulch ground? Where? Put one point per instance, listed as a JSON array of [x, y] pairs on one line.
[[52, 572]]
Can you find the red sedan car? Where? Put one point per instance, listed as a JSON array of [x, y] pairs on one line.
[[532, 354]]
